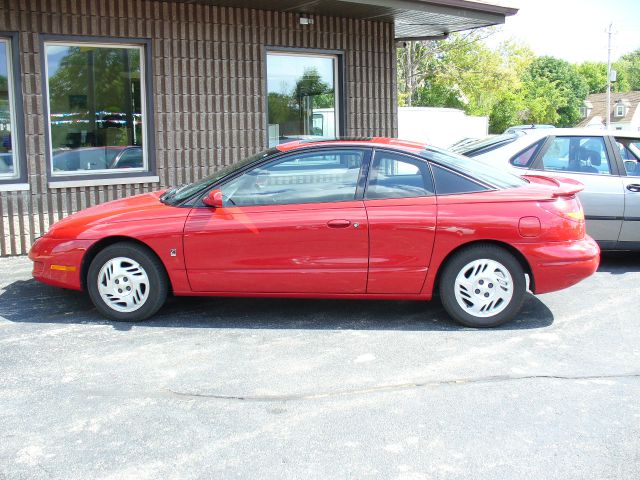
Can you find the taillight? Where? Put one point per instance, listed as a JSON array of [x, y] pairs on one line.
[[565, 207]]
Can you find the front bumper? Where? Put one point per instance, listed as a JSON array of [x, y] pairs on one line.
[[556, 266], [58, 262]]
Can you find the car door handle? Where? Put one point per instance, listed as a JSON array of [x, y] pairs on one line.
[[634, 187], [338, 223]]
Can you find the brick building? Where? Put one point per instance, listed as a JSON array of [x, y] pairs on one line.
[[104, 99]]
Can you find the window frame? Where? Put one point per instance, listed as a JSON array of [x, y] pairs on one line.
[[19, 179], [620, 107], [340, 81], [146, 86], [431, 163], [277, 158], [619, 161], [610, 147], [537, 147], [462, 175], [424, 167]]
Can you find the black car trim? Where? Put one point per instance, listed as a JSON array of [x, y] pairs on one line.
[[602, 217], [626, 245]]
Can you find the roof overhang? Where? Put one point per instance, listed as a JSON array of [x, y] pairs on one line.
[[413, 19]]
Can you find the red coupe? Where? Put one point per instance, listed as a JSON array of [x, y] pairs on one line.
[[362, 218]]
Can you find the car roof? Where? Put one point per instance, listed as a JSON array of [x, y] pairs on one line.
[[406, 145], [583, 132], [530, 126]]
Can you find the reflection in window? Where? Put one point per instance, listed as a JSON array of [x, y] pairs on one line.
[[302, 97], [8, 158], [96, 110]]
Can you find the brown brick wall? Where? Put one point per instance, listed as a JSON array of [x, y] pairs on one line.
[[208, 78]]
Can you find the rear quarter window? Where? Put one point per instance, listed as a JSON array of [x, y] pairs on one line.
[[525, 158], [475, 170], [451, 183]]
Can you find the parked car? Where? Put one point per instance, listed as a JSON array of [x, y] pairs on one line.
[[366, 219], [606, 162], [532, 126], [97, 158]]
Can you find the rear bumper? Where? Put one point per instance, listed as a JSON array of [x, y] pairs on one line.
[[58, 262], [559, 265]]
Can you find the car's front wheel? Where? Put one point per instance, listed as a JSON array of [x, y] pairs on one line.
[[482, 286], [127, 282]]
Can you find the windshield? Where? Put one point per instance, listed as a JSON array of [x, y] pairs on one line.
[[179, 194], [475, 169], [483, 145]]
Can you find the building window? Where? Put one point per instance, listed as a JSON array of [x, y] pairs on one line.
[[583, 112], [303, 96], [619, 110], [98, 121], [10, 170]]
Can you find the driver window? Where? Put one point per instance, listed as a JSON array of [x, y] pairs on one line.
[[312, 177], [577, 155]]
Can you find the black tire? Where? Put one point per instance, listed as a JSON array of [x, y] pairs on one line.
[[462, 259], [155, 290]]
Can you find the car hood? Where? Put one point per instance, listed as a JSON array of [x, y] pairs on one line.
[[143, 207]]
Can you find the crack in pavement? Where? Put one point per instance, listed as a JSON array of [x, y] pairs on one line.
[[397, 387]]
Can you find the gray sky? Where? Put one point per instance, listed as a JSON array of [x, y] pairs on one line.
[[574, 30]]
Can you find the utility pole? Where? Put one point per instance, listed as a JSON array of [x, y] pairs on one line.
[[608, 120]]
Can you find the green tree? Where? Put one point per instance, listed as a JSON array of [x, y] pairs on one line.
[[595, 74], [629, 68], [462, 72], [507, 111], [459, 72], [571, 88], [544, 100]]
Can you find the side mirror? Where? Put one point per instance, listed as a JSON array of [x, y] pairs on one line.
[[213, 199]]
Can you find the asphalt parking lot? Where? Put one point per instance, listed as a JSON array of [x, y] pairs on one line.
[[236, 388]]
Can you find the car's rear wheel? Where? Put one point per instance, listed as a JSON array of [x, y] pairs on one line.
[[482, 286], [127, 282]]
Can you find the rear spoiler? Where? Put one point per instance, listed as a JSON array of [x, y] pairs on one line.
[[565, 187]]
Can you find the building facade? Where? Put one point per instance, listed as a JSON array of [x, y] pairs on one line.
[[105, 99]]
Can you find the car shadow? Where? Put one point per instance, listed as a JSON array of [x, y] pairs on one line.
[[618, 263], [29, 301]]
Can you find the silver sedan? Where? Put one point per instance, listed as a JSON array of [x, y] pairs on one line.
[[606, 162]]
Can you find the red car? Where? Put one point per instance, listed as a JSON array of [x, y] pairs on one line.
[[364, 218]]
